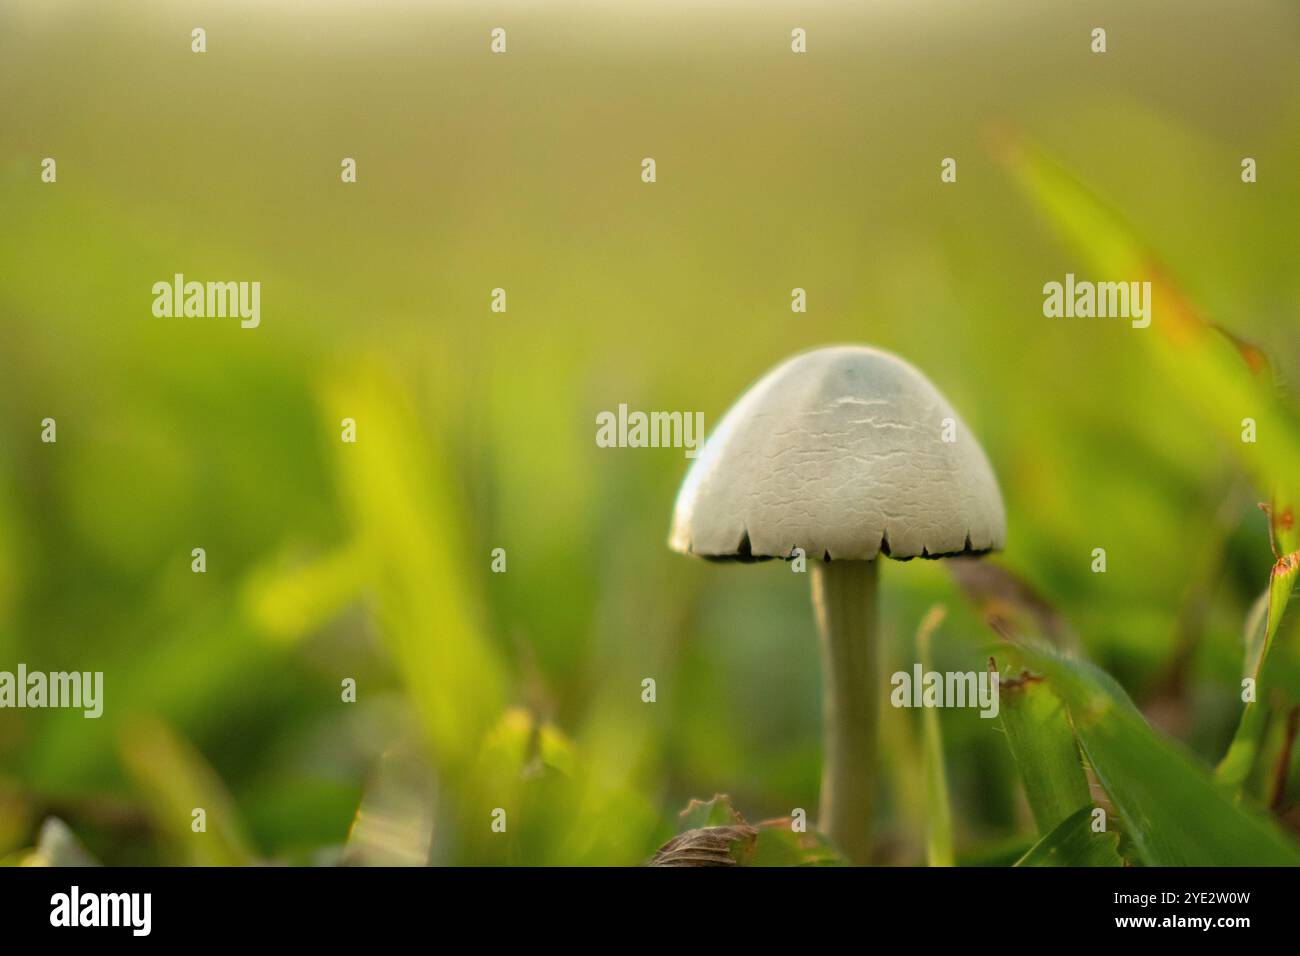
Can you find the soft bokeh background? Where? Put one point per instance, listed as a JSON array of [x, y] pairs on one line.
[[476, 430]]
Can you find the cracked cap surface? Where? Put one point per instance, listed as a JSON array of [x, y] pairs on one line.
[[839, 451]]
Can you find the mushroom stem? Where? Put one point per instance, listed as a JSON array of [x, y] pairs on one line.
[[844, 598]]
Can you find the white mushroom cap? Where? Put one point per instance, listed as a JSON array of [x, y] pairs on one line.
[[839, 452]]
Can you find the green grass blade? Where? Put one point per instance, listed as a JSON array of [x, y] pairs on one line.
[[175, 780], [1074, 843], [1169, 807], [1243, 752], [409, 535], [938, 838], [1042, 742], [1215, 373]]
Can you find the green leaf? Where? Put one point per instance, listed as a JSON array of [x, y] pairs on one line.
[[779, 845], [1169, 807], [715, 812], [1046, 753], [1074, 843]]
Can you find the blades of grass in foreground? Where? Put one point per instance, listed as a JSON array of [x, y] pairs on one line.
[[407, 526], [1074, 843], [175, 781], [938, 837], [1222, 378], [1170, 809], [1042, 742]]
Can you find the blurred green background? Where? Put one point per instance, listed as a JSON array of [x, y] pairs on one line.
[[476, 430]]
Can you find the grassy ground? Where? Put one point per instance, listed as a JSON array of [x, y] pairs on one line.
[[372, 561]]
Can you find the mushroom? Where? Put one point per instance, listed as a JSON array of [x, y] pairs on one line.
[[847, 453]]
